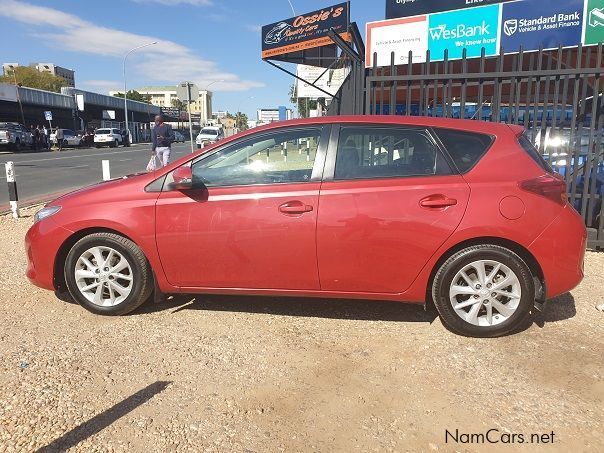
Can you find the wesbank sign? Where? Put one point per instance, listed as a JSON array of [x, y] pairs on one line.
[[471, 29]]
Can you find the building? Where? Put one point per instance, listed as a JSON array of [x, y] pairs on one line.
[[271, 115], [67, 74], [163, 96]]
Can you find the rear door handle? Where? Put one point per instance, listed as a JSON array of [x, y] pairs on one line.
[[437, 201], [295, 207]]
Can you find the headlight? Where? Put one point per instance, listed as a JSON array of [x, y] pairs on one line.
[[46, 212]]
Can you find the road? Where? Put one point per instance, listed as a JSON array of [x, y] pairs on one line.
[[45, 175]]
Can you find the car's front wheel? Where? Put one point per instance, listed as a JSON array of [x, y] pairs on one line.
[[483, 291], [108, 274]]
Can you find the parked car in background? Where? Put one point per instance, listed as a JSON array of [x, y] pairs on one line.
[[15, 136], [178, 137], [87, 137], [108, 137], [464, 214], [70, 138], [209, 135]]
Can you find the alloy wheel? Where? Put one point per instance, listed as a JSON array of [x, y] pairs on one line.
[[103, 276], [485, 293]]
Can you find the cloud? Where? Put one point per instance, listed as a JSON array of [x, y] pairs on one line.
[[166, 62], [103, 86], [254, 28]]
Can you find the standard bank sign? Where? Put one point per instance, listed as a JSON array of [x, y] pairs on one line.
[[535, 23], [471, 29]]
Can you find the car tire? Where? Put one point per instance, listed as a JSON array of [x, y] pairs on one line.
[[17, 146], [113, 144], [470, 288], [114, 288]]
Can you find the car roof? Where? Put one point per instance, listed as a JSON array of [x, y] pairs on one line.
[[483, 127]]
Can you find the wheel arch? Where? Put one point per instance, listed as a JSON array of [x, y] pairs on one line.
[[518, 249], [61, 256]]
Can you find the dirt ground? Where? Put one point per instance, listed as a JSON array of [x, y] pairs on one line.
[[233, 374]]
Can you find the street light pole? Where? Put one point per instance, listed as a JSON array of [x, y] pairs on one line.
[[206, 91], [126, 91], [292, 7]]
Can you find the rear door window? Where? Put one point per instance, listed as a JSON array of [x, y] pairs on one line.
[[465, 148], [368, 152]]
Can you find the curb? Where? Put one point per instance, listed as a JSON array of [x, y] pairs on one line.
[[5, 208]]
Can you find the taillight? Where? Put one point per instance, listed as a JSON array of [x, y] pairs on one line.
[[551, 186]]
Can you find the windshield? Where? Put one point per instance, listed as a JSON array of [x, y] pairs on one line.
[[103, 131], [209, 132]]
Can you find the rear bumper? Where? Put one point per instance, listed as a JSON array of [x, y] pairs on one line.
[[42, 243], [560, 250]]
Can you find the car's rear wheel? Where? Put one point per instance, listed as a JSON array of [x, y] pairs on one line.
[[483, 291], [108, 274]]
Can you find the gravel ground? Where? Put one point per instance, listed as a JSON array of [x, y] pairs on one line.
[[260, 374]]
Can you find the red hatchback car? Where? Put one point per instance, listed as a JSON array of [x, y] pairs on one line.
[[464, 213]]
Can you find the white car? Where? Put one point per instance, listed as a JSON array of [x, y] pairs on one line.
[[209, 135], [70, 138], [108, 137]]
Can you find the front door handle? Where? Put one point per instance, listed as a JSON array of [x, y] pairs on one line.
[[295, 207], [437, 201]]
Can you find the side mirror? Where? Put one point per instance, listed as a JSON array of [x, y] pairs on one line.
[[183, 178]]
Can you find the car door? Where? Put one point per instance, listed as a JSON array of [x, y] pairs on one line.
[[388, 201], [254, 226]]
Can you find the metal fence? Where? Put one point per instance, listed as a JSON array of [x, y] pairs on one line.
[[557, 95]]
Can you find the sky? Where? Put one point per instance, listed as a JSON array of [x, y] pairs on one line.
[[199, 40]]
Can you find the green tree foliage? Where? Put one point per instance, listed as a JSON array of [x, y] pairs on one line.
[[178, 104], [30, 77], [304, 105], [134, 95], [241, 121]]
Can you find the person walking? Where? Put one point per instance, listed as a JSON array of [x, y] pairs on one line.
[[162, 137], [59, 135]]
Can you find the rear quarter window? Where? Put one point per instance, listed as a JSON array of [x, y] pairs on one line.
[[465, 148], [532, 151]]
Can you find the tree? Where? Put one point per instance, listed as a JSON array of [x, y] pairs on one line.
[[304, 105], [241, 121], [178, 104], [134, 95], [30, 77]]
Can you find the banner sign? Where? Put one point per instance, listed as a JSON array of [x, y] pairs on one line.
[[48, 115], [530, 24], [330, 81], [171, 112], [306, 31], [471, 29], [406, 8], [399, 36], [534, 23], [594, 22]]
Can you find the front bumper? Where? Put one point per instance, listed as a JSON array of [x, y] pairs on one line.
[[42, 243]]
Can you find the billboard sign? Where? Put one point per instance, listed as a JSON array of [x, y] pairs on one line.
[[534, 23], [406, 8], [399, 36], [306, 31], [471, 29], [594, 22], [330, 81]]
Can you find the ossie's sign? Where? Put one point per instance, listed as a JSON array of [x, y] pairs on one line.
[[305, 31]]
